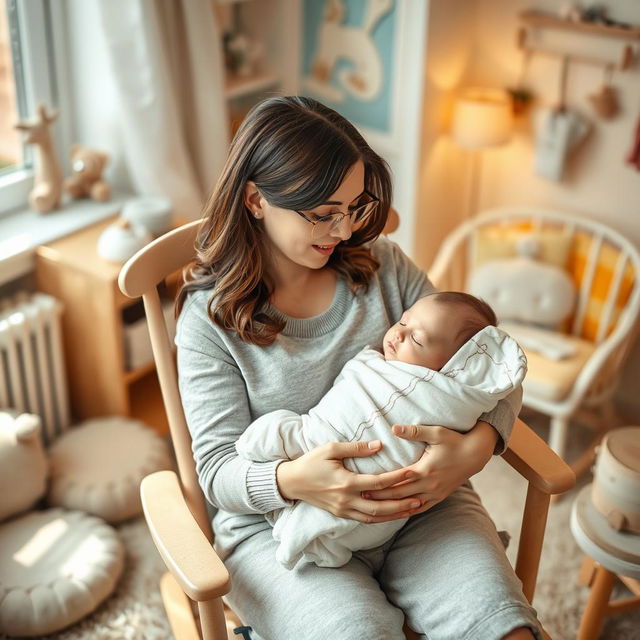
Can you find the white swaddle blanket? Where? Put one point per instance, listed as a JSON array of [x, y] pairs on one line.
[[367, 398]]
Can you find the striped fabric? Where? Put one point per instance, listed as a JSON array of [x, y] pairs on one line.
[[603, 277]]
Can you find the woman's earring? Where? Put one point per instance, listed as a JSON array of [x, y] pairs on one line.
[[256, 214]]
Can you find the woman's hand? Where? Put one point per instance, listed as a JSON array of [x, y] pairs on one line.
[[319, 478], [448, 461]]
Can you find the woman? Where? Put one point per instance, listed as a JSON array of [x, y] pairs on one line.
[[291, 281]]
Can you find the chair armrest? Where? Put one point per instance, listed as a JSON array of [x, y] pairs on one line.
[[532, 458], [183, 546]]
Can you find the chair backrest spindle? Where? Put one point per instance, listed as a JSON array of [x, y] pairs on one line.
[[587, 283], [612, 296]]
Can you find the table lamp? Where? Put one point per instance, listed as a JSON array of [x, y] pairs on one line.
[[482, 118]]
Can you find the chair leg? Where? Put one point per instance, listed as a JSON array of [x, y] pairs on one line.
[[587, 572], [558, 435], [597, 604], [212, 619]]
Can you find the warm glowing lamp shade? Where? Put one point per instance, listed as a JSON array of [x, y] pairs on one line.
[[482, 118]]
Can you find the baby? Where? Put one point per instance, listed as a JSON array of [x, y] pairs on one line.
[[444, 363]]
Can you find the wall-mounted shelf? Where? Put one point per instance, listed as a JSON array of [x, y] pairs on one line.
[[235, 87], [538, 19], [548, 20], [261, 44]]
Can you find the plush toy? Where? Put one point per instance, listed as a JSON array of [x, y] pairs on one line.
[[23, 464], [47, 183], [531, 299], [56, 565], [86, 180]]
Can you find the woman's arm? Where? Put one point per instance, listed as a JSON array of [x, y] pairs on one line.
[[319, 478], [451, 458], [503, 417], [216, 407]]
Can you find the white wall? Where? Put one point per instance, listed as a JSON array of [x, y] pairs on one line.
[[442, 187], [599, 184]]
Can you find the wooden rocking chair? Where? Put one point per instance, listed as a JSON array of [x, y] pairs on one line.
[[174, 506]]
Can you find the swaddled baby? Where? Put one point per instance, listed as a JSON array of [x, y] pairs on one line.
[[444, 363]]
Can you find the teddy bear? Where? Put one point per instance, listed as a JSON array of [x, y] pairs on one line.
[[86, 180]]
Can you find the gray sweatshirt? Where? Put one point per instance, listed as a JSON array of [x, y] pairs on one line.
[[225, 384]]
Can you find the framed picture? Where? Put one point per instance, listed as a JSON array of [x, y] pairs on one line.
[[349, 59]]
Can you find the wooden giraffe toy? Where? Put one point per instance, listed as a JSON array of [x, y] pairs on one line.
[[47, 184]]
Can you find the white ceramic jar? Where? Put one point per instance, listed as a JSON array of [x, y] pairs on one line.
[[120, 240], [616, 484], [152, 212]]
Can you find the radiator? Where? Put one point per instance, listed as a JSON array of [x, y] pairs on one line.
[[32, 371]]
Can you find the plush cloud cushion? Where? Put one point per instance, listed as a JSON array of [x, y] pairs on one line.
[[525, 290], [570, 252], [56, 566], [98, 466]]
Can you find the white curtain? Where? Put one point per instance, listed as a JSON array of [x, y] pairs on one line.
[[167, 66]]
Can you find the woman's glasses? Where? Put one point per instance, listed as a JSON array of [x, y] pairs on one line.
[[358, 214]]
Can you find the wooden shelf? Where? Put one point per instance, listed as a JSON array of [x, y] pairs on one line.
[[236, 87], [71, 270], [548, 20], [140, 372], [146, 403]]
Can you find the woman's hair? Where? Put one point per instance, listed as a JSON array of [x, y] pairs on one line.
[[297, 152]]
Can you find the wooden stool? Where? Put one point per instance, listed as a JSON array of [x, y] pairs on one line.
[[610, 554]]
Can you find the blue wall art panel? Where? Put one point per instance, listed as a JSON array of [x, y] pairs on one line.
[[348, 58]]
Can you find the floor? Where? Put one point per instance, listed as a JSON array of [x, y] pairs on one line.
[[134, 611]]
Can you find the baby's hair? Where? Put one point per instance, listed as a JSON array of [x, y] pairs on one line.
[[482, 314]]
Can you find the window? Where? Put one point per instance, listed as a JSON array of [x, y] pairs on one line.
[[28, 77], [10, 144]]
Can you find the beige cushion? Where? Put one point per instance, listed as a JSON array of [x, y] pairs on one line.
[[553, 379], [56, 566], [98, 466]]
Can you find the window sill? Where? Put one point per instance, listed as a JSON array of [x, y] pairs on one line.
[[23, 230]]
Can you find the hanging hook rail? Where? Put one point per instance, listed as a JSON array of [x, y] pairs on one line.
[[536, 19]]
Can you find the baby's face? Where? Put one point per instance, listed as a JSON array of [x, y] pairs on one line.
[[426, 334]]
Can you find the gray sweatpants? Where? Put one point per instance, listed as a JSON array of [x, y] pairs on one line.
[[445, 569]]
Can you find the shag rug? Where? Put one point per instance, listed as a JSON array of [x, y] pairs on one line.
[[135, 612]]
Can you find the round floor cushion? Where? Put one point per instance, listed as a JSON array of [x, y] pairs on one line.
[[98, 465], [56, 566]]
